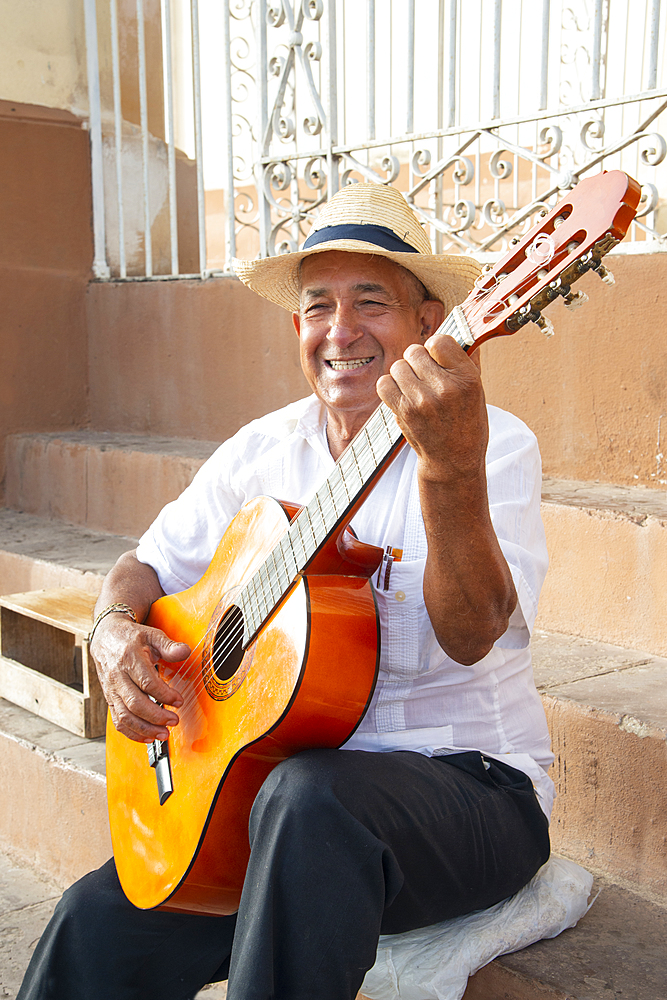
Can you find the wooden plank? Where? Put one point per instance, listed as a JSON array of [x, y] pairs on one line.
[[43, 696], [35, 644], [95, 705], [67, 608]]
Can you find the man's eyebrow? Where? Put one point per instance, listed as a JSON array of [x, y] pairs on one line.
[[372, 287], [314, 293]]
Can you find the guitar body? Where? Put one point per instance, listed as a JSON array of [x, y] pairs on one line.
[[305, 681]]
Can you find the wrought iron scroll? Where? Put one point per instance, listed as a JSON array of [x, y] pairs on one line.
[[474, 188]]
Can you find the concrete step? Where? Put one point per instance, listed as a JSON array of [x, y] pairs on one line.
[[607, 712], [608, 552], [616, 950], [53, 793], [38, 554], [106, 482], [28, 898]]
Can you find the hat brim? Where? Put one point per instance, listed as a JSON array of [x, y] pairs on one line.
[[447, 277]]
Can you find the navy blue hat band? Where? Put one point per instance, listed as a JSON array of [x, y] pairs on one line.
[[381, 236]]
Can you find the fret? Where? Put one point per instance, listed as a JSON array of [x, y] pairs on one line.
[[280, 577], [265, 584], [369, 442], [341, 493], [249, 611], [364, 458], [291, 566], [351, 475], [328, 510], [298, 544], [332, 501], [273, 575], [341, 479], [359, 464], [317, 519], [311, 531], [258, 599], [288, 563]]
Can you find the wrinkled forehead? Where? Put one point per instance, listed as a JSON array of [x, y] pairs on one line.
[[331, 267]]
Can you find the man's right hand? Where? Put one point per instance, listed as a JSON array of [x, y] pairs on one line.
[[126, 654]]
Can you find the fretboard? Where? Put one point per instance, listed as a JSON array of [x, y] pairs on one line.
[[354, 474]]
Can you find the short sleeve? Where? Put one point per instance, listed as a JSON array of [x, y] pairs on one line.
[[182, 540]]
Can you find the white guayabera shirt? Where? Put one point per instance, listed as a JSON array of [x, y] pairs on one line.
[[423, 700]]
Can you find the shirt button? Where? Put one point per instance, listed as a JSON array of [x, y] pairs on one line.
[[399, 595]]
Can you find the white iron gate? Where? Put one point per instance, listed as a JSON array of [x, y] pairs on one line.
[[250, 113]]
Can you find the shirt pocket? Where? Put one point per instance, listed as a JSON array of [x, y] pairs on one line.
[[404, 623]]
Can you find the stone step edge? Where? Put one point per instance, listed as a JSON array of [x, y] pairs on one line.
[[633, 502], [37, 553], [121, 441]]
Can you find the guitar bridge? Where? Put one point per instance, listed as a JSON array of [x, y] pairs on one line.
[[158, 757]]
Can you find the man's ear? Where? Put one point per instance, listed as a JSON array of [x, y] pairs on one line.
[[296, 319], [432, 314]]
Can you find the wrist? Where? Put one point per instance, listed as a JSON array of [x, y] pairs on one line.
[[111, 609]]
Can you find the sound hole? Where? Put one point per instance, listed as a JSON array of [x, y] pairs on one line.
[[227, 648]]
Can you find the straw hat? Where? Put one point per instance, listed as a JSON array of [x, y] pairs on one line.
[[365, 218]]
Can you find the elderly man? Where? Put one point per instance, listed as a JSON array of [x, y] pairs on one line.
[[438, 804]]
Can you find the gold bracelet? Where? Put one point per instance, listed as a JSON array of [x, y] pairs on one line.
[[123, 609]]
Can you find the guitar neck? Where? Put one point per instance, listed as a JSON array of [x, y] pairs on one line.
[[334, 504]]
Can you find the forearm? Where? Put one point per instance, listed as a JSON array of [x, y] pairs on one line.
[[130, 582], [468, 588]]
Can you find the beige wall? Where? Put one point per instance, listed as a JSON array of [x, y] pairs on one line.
[[43, 53], [44, 57], [45, 255], [595, 393], [187, 358]]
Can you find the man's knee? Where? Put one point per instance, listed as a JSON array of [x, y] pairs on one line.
[[305, 784]]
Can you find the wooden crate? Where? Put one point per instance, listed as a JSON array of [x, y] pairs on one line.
[[45, 665]]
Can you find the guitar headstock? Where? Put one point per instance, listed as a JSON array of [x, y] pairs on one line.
[[570, 240]]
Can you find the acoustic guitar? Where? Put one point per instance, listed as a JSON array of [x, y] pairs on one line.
[[283, 625]]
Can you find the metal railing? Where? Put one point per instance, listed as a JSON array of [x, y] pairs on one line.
[[482, 112]]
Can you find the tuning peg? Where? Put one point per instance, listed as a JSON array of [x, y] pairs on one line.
[[574, 299], [605, 274], [545, 325]]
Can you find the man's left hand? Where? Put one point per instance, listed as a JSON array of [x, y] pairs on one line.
[[436, 394]]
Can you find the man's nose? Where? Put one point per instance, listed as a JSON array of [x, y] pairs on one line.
[[344, 327]]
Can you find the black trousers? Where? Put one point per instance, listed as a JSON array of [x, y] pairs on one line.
[[345, 845]]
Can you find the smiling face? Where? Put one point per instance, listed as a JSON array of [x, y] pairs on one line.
[[358, 314]]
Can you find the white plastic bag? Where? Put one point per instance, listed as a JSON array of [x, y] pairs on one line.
[[433, 963]]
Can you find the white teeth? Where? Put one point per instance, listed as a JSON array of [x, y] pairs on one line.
[[342, 366]]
